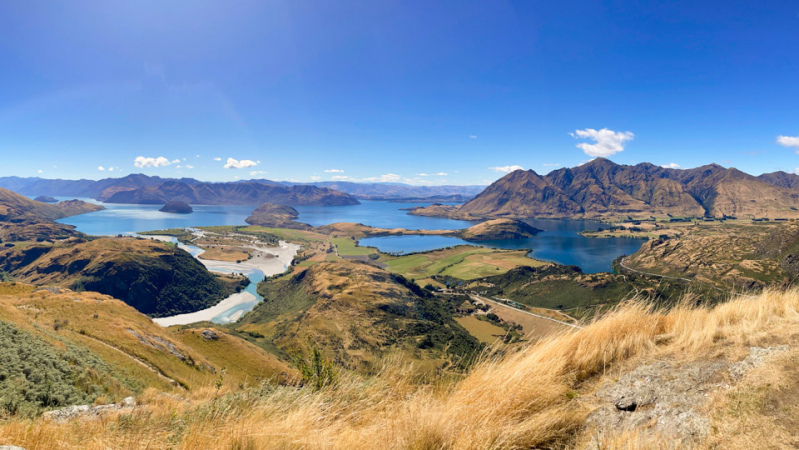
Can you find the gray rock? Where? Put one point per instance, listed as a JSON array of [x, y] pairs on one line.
[[659, 396], [209, 334], [666, 399], [10, 447], [757, 357], [64, 414], [86, 411]]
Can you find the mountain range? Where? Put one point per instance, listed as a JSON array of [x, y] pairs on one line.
[[604, 189], [140, 188]]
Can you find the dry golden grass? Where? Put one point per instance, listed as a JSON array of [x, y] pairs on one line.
[[536, 397]]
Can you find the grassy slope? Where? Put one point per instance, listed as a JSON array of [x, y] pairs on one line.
[[537, 397], [357, 314], [136, 353], [464, 262], [154, 277]]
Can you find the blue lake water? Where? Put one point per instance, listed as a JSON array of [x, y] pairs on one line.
[[127, 219], [560, 241], [378, 214]]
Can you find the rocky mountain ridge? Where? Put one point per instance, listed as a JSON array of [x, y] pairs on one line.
[[603, 189]]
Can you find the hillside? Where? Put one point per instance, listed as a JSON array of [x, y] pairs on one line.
[[732, 255], [781, 179], [276, 216], [498, 229], [241, 193], [603, 189], [717, 378], [177, 207], [82, 188], [14, 207], [62, 348], [23, 219], [358, 314], [153, 277]]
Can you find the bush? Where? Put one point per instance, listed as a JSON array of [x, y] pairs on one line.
[[36, 375], [317, 372]]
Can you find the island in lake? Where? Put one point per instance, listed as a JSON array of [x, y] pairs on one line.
[[177, 207]]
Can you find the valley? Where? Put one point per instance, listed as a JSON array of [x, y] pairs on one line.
[[229, 300]]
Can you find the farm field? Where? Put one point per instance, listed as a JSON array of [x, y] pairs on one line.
[[463, 262]]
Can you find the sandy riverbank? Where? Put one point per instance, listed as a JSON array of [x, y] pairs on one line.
[[269, 260], [208, 313]]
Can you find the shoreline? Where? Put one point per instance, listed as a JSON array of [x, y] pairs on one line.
[[207, 314], [278, 261]]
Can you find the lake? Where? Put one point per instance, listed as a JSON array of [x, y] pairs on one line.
[[127, 219], [559, 242]]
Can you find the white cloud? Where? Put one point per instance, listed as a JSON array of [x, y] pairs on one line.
[[788, 141], [101, 168], [257, 172], [506, 169], [160, 161], [439, 174], [550, 165], [334, 171], [671, 166], [110, 169], [472, 136], [387, 178], [217, 159], [315, 178], [196, 156], [340, 178], [40, 171], [242, 164], [608, 142]]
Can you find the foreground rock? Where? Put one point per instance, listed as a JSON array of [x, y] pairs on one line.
[[86, 411], [177, 207], [669, 399]]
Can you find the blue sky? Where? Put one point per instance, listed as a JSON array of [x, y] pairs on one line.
[[427, 92]]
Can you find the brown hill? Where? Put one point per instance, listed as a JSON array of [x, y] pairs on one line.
[[781, 179], [242, 193], [23, 219], [276, 216], [153, 277], [177, 207], [499, 229], [358, 313], [603, 189], [62, 347]]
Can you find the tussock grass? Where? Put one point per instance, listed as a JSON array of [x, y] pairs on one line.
[[530, 398]]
